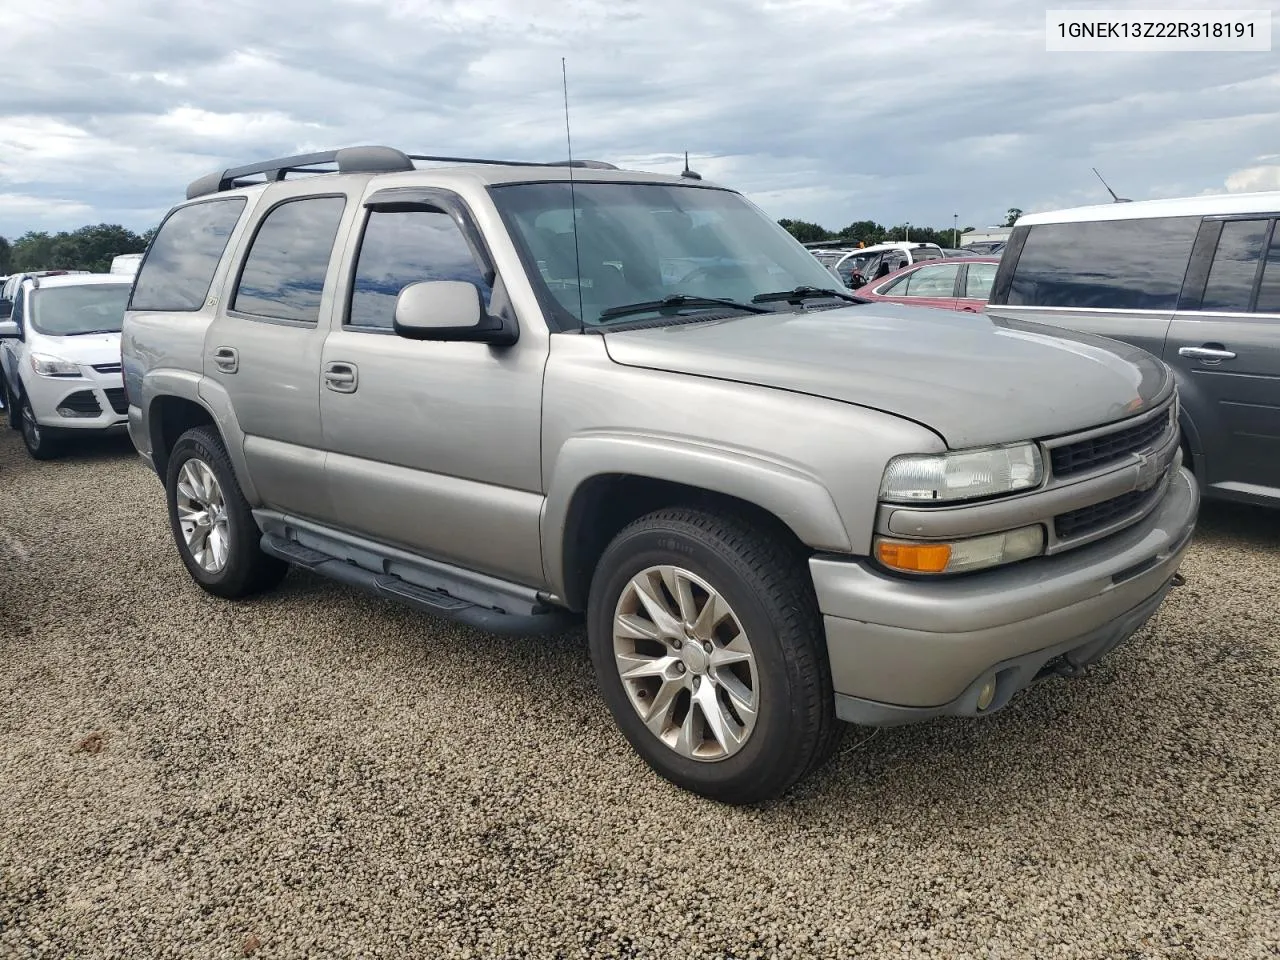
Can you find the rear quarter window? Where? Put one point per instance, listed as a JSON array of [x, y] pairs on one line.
[[179, 267], [1110, 264]]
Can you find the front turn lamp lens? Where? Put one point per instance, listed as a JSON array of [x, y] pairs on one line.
[[960, 556]]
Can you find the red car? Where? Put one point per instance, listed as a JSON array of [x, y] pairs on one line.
[[951, 284]]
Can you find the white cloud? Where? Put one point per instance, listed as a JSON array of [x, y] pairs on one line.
[[1253, 179], [826, 110]]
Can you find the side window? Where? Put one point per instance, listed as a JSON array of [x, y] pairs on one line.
[[896, 287], [977, 285], [283, 275], [19, 308], [1235, 264], [939, 281], [184, 255], [1120, 264], [1269, 291], [404, 247]]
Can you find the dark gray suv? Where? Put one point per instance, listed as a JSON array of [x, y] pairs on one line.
[[1195, 282]]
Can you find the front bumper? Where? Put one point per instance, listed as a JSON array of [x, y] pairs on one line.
[[907, 650], [49, 394]]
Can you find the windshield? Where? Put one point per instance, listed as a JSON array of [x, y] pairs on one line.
[[643, 242], [89, 308]]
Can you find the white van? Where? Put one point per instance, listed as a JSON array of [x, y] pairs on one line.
[[126, 263]]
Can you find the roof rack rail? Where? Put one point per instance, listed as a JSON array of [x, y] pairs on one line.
[[588, 164], [371, 159], [348, 159]]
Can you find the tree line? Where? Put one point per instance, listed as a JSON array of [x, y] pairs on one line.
[[89, 248], [869, 232]]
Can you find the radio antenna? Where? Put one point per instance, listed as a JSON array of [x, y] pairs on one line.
[[573, 200], [1109, 190]]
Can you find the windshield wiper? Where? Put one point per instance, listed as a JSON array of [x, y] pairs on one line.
[[88, 333], [677, 301], [800, 294]]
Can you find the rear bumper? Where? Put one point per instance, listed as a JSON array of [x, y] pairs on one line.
[[907, 650]]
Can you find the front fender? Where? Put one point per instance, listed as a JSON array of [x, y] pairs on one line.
[[796, 497]]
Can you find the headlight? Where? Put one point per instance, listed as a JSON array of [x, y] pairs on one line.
[[960, 556], [47, 366], [966, 475]]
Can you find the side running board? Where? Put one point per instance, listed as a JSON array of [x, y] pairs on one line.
[[550, 620]]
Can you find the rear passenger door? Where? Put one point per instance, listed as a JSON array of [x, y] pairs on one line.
[[1224, 345], [263, 347], [434, 447], [975, 286]]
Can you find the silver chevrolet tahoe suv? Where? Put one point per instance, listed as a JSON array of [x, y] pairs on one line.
[[516, 394]]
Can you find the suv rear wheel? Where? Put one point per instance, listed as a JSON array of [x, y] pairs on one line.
[[708, 647], [212, 525]]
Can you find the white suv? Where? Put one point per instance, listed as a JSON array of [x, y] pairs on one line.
[[60, 359]]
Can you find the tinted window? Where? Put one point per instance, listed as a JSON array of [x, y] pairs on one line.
[[926, 253], [284, 273], [403, 248], [939, 281], [977, 284], [1120, 264], [1235, 264], [1269, 291], [184, 255]]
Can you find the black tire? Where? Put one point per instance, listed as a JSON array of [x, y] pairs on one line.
[[765, 581], [247, 569], [41, 442]]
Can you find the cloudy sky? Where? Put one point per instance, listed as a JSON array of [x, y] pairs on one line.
[[826, 110]]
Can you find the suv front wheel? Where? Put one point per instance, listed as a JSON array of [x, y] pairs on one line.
[[212, 524], [708, 648]]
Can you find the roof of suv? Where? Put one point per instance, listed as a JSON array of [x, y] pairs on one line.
[[81, 279], [395, 168], [1220, 204]]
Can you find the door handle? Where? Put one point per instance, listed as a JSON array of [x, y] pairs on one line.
[[226, 359], [1209, 353], [341, 377]]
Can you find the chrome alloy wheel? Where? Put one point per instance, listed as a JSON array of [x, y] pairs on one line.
[[686, 663], [202, 515]]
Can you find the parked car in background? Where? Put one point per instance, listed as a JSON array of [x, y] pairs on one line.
[[984, 247], [10, 288], [949, 284], [60, 359], [860, 266], [1194, 281], [775, 505]]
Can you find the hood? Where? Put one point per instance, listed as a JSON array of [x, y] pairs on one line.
[[90, 349], [973, 379]]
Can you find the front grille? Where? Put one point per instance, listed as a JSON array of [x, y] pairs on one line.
[[1090, 454], [116, 397], [107, 367], [82, 401], [1096, 516]]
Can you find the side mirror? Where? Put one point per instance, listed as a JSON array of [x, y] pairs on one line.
[[9, 330], [450, 310]]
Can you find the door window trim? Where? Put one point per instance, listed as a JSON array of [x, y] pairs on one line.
[[417, 199]]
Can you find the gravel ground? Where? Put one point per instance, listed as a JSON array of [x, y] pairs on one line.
[[316, 773]]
